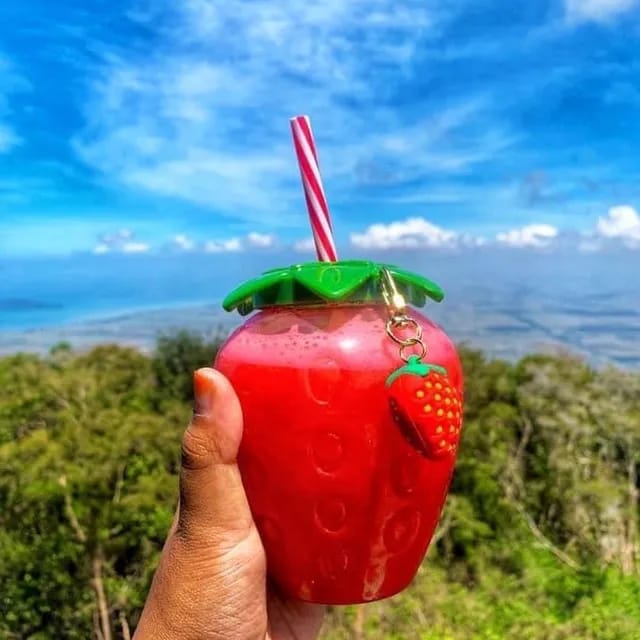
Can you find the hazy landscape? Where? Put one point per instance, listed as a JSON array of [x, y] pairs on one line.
[[506, 303]]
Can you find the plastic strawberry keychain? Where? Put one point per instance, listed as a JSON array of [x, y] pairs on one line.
[[424, 403]]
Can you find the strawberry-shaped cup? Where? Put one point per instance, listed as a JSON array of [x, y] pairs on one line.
[[347, 453]]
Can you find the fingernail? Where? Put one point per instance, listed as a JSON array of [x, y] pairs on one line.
[[204, 392]]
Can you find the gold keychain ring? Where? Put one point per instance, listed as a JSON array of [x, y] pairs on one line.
[[399, 320]]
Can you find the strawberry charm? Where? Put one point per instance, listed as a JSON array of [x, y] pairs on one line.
[[426, 407]]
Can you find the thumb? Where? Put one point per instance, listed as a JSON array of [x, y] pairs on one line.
[[213, 505]]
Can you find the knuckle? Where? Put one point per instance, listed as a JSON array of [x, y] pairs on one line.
[[196, 451]]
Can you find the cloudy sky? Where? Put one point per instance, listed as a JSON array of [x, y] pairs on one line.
[[163, 126]]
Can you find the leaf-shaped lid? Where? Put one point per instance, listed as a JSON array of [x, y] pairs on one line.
[[328, 282]]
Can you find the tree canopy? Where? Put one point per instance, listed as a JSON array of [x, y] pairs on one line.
[[539, 539]]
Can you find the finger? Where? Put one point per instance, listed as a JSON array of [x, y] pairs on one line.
[[213, 504]]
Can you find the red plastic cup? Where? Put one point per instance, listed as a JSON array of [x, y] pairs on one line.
[[346, 501]]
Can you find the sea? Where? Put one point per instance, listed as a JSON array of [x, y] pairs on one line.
[[505, 302]]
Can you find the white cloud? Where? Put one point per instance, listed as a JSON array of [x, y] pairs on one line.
[[10, 84], [261, 240], [124, 241], [135, 247], [407, 234], [223, 246], [182, 242], [252, 240], [596, 10], [8, 139], [621, 223], [121, 241], [467, 240], [203, 116], [589, 244], [306, 245], [533, 235]]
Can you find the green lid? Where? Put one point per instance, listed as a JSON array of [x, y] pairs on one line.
[[328, 282]]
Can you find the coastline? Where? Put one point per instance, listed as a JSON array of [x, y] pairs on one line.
[[137, 328], [501, 333]]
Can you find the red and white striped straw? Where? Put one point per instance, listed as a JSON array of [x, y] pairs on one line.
[[313, 190]]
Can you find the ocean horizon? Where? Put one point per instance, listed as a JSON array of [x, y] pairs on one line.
[[507, 303]]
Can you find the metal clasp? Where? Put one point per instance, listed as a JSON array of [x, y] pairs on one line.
[[393, 298], [398, 319]]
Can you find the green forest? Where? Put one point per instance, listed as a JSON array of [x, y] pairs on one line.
[[539, 539]]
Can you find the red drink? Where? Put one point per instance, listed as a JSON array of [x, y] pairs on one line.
[[344, 504]]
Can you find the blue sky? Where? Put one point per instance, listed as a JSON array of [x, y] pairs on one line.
[[163, 126]]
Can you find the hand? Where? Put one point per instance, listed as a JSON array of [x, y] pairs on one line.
[[211, 582]]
